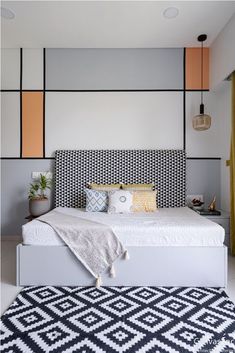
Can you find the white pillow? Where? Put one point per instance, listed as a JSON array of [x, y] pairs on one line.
[[120, 201]]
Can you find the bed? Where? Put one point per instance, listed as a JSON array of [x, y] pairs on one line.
[[171, 247]]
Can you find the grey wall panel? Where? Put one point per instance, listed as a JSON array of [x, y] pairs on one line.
[[203, 177], [91, 69], [15, 180]]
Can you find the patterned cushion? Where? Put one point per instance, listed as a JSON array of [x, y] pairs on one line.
[[120, 201], [144, 201], [104, 187], [96, 201], [138, 187]]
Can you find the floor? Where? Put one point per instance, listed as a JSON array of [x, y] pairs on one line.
[[9, 291]]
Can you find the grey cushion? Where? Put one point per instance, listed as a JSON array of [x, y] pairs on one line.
[[96, 201]]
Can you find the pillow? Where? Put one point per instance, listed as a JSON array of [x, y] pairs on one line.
[[144, 201], [138, 187], [104, 187], [120, 201], [96, 201]]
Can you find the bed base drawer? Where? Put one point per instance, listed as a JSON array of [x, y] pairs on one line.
[[147, 266]]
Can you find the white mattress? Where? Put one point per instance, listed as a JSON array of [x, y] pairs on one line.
[[166, 227]]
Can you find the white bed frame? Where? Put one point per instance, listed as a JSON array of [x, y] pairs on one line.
[[147, 266]]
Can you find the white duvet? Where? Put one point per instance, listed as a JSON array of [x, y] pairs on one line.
[[166, 227]]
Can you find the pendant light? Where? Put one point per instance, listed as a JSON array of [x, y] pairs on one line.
[[201, 121]]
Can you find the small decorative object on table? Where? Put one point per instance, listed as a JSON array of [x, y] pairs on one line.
[[212, 205], [197, 204], [211, 211], [39, 202]]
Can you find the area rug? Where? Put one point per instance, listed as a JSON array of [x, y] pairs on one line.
[[119, 319]]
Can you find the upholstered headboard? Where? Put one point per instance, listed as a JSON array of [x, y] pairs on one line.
[[75, 169]]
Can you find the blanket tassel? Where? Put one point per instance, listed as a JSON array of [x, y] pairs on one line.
[[126, 255], [112, 271], [98, 282]]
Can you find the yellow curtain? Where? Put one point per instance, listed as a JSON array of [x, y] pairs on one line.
[[232, 172]]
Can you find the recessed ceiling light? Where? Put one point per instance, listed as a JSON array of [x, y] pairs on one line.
[[171, 12], [7, 13]]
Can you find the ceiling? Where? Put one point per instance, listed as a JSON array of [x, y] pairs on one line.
[[112, 24]]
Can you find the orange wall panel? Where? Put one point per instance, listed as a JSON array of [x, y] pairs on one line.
[[32, 124], [193, 68]]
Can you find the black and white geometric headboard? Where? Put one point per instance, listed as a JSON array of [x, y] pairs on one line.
[[75, 169]]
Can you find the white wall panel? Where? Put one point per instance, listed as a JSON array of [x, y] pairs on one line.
[[10, 68], [33, 69], [113, 120], [10, 124], [222, 58], [203, 143]]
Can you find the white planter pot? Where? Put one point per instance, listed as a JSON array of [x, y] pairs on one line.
[[39, 207]]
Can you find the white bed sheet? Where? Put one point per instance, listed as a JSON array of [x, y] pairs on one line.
[[166, 227]]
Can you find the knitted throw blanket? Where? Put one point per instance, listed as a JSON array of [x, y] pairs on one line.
[[94, 244]]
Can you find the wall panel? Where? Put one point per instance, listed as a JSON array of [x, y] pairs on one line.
[[222, 60], [105, 120], [194, 66], [10, 124], [203, 177], [203, 143], [114, 120], [32, 124], [10, 68], [91, 69], [32, 69], [15, 181]]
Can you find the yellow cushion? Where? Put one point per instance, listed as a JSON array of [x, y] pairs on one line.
[[104, 187], [144, 201], [138, 187]]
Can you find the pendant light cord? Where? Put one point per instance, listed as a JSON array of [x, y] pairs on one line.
[[201, 72]]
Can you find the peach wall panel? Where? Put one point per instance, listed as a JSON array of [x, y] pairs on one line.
[[193, 68], [32, 124]]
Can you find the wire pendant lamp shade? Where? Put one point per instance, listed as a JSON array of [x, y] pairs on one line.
[[202, 121]]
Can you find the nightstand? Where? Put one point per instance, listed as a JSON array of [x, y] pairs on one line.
[[31, 218], [224, 221]]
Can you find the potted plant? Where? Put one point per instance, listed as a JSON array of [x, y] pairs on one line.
[[39, 202]]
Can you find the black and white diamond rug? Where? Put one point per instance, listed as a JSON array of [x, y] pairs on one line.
[[119, 319]]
